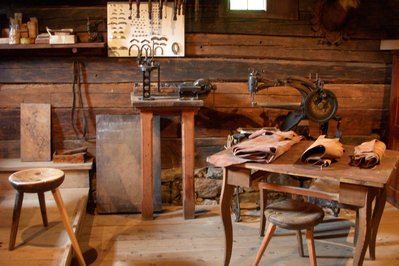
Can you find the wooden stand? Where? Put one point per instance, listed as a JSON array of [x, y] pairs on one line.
[[186, 109]]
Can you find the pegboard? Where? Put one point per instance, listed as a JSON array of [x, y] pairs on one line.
[[129, 35]]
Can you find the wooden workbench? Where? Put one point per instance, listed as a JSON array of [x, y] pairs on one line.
[[169, 106]]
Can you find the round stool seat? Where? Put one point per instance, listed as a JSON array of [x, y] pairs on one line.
[[36, 179], [294, 214]]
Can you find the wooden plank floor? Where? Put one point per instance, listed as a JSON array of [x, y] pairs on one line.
[[170, 240], [36, 244]]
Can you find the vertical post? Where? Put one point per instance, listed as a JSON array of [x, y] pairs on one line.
[[147, 206], [188, 154]]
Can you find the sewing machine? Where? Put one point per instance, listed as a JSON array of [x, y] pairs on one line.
[[317, 104]]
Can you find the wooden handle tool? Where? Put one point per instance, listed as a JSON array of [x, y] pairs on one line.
[[196, 9], [150, 9], [175, 10], [160, 8], [137, 8], [130, 9], [183, 11], [179, 4]]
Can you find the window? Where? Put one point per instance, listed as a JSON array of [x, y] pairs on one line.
[[248, 5]]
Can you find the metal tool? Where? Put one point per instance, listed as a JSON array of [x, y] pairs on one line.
[[196, 89], [147, 65]]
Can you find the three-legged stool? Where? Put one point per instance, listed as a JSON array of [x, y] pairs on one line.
[[40, 180], [292, 215]]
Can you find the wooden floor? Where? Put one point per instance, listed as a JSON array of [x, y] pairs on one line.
[[170, 240]]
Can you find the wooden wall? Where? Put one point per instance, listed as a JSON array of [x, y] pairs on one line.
[[217, 47]]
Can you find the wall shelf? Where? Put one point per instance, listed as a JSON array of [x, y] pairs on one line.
[[74, 47]]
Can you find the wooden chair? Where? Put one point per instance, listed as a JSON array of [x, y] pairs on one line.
[[292, 215], [40, 180]]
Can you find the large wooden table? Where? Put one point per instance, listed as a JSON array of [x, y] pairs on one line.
[[186, 109], [357, 187]]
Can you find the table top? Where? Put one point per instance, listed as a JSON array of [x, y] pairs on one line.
[[290, 163], [166, 102]]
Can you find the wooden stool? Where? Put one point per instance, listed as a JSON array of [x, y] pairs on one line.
[[40, 180], [292, 215]]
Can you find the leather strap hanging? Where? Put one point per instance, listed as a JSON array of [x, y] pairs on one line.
[[77, 100]]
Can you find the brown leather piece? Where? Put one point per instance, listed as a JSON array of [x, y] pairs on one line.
[[323, 151], [368, 154], [262, 148]]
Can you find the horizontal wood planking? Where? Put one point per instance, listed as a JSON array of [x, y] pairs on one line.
[[229, 104], [276, 47], [109, 70]]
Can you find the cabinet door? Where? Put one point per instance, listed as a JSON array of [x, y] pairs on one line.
[[393, 141]]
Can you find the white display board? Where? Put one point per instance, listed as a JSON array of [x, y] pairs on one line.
[[129, 35]]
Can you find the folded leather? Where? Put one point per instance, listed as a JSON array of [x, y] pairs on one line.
[[323, 151], [368, 154], [262, 148]]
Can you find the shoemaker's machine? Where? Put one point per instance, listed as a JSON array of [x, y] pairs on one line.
[[317, 104], [184, 90]]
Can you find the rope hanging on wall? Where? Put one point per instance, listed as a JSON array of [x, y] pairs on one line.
[[77, 101]]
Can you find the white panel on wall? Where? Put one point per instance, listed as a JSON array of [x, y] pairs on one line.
[[129, 35]]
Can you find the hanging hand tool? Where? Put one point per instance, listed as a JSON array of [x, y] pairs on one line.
[[183, 12], [137, 8], [175, 10], [196, 9], [179, 4], [130, 9], [150, 9], [160, 8]]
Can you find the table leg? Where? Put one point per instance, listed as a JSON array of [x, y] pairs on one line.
[[225, 205], [377, 214], [363, 230], [147, 207], [188, 153], [262, 204]]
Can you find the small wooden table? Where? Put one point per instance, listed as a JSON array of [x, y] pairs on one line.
[[186, 109], [358, 187]]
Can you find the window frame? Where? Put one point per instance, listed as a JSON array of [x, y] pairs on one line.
[[276, 9]]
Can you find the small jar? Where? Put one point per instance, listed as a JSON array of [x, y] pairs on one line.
[[14, 35]]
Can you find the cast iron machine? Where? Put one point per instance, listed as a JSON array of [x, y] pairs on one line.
[[317, 104], [185, 90]]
